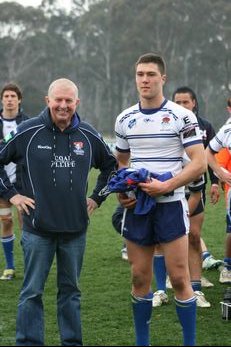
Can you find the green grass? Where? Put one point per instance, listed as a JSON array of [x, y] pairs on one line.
[[105, 284]]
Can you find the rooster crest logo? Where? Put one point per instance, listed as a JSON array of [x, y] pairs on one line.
[[165, 120]]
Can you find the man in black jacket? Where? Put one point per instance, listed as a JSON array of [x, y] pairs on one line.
[[57, 151], [10, 116]]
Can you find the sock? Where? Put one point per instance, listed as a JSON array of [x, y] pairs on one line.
[[8, 247], [196, 285], [160, 272], [205, 255], [227, 262], [186, 311], [142, 312]]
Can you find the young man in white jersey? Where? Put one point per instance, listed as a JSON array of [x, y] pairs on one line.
[[10, 116], [154, 134], [223, 140]]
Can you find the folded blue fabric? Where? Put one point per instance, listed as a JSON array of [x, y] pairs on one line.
[[126, 180]]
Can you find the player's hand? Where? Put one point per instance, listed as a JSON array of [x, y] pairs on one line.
[[224, 175], [127, 200], [222, 183], [154, 187], [214, 194], [22, 202]]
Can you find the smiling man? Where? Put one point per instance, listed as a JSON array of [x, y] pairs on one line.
[[57, 151]]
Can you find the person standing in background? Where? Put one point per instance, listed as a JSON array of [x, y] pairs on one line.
[[187, 98], [223, 158], [11, 115], [220, 141], [153, 134]]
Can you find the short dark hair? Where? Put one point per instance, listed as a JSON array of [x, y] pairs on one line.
[[190, 91], [154, 58], [14, 88], [229, 102]]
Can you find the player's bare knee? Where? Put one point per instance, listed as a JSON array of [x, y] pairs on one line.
[[178, 282], [6, 219], [138, 280], [194, 241]]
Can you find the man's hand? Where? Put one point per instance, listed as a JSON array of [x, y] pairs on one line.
[[21, 202], [91, 206], [155, 187]]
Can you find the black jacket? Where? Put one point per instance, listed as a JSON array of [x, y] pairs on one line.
[[21, 116], [55, 173], [207, 134]]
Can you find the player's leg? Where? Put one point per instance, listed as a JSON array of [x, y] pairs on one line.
[[159, 269], [7, 239], [176, 255], [225, 275], [138, 232], [140, 258], [172, 227], [195, 259], [208, 260]]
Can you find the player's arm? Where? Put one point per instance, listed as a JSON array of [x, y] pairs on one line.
[[195, 168], [189, 173], [221, 173], [122, 158]]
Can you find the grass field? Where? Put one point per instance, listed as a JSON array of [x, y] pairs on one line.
[[105, 283]]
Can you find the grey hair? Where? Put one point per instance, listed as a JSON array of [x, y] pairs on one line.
[[64, 82]]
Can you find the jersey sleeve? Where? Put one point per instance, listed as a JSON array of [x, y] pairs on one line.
[[189, 130], [121, 140], [221, 139]]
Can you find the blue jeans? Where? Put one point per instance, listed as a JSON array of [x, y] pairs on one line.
[[39, 252]]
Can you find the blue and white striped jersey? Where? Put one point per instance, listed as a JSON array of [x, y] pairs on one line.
[[221, 139], [156, 138]]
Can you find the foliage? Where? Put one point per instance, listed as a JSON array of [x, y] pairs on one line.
[[97, 43]]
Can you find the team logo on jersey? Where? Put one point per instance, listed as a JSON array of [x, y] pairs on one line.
[[165, 122], [132, 123], [148, 120], [78, 148]]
